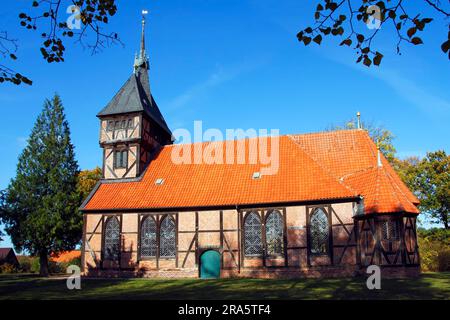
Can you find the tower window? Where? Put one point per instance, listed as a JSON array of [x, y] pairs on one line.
[[120, 159], [110, 126], [120, 124]]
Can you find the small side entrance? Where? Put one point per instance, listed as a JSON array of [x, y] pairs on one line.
[[210, 265]]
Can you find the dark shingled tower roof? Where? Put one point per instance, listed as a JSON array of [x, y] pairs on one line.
[[135, 94]]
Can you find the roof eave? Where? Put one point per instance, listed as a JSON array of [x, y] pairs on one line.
[[222, 206]]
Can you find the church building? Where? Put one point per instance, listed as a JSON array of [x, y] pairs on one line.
[[334, 206]]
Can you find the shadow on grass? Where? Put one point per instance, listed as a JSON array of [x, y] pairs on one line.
[[427, 286]]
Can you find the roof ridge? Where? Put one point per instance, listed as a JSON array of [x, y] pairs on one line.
[[377, 187], [289, 135], [393, 189], [395, 185], [328, 132], [325, 170], [357, 172], [120, 89]]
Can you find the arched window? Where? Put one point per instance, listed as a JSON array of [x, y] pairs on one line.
[[111, 239], [148, 238], [319, 232], [274, 233], [252, 235], [167, 238]]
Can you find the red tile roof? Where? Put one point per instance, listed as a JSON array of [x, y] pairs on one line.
[[65, 256], [312, 167]]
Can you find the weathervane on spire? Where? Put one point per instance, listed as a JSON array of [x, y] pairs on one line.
[[141, 60]]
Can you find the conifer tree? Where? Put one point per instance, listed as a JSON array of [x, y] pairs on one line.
[[40, 210]]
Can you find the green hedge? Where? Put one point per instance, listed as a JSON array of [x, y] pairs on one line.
[[30, 264]]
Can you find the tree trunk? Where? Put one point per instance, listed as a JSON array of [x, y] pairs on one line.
[[43, 263], [444, 218]]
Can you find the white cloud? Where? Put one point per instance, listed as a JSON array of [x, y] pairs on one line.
[[414, 93], [215, 79], [405, 87]]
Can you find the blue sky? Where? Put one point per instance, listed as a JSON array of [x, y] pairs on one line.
[[231, 64]]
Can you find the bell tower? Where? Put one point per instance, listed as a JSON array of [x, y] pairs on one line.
[[132, 127]]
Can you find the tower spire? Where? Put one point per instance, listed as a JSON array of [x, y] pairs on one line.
[[141, 60], [144, 12]]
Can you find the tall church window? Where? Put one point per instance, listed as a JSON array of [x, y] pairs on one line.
[[252, 235], [167, 238], [111, 245], [148, 245], [319, 232], [274, 233], [120, 159]]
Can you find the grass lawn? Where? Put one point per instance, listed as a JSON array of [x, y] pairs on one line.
[[427, 286]]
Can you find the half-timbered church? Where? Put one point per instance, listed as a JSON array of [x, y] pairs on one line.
[[334, 207]]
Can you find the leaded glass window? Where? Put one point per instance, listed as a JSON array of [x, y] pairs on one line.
[[252, 235], [319, 232], [148, 238], [274, 233], [389, 230], [167, 238], [112, 239]]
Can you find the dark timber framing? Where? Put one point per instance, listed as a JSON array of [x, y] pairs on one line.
[[363, 236], [387, 253]]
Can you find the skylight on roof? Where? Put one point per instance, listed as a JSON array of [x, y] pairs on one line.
[[159, 181], [256, 175]]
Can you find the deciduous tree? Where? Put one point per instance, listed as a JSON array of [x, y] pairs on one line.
[[86, 181], [429, 178], [50, 19], [357, 23]]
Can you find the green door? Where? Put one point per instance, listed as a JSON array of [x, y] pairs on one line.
[[210, 265]]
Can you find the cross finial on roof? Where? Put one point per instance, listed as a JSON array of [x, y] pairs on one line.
[[142, 59], [358, 124]]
